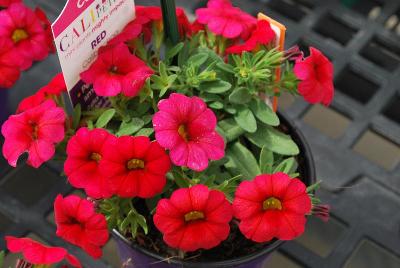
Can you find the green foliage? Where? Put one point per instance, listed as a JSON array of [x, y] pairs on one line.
[[2, 255], [274, 140], [264, 113], [198, 59], [266, 161], [240, 96], [105, 118], [132, 222], [130, 127], [76, 117], [230, 130], [286, 166], [245, 119], [172, 52], [228, 187], [242, 162], [216, 87], [121, 214]]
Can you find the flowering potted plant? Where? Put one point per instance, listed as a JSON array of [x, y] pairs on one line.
[[189, 165]]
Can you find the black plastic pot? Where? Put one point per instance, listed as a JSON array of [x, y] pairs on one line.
[[135, 256]]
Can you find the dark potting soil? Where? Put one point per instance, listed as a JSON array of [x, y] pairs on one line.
[[236, 245]]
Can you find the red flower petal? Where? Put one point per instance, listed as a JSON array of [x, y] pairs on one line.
[[36, 253], [78, 223], [316, 75], [194, 218], [284, 220]]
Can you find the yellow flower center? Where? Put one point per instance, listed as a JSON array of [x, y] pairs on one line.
[[19, 35], [135, 164], [183, 132], [194, 215], [272, 203], [95, 156], [35, 130]]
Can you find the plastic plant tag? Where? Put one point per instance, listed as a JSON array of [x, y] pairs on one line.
[[280, 31], [81, 29], [278, 28]]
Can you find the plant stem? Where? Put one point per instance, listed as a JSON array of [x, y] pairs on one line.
[[170, 20]]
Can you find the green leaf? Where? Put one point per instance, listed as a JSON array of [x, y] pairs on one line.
[[273, 140], [183, 55], [228, 187], [145, 132], [313, 187], [216, 105], [89, 124], [181, 182], [246, 119], [230, 110], [208, 97], [2, 254], [147, 118], [128, 128], [105, 117], [242, 161], [240, 96], [174, 51], [141, 220], [264, 113], [198, 59], [226, 67], [217, 86], [286, 166], [163, 70], [76, 117], [266, 161], [230, 129]]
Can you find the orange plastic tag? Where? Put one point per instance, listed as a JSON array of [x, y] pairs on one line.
[[280, 31]]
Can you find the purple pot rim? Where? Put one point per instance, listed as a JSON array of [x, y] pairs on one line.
[[305, 149]]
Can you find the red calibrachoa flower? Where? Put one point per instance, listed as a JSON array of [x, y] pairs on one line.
[[183, 22], [117, 71], [147, 15], [41, 15], [196, 27], [9, 67], [78, 223], [272, 206], [262, 35], [186, 127], [128, 34], [194, 218], [37, 253], [135, 166], [35, 131], [7, 3], [316, 75], [50, 91], [21, 26], [224, 19], [84, 153]]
